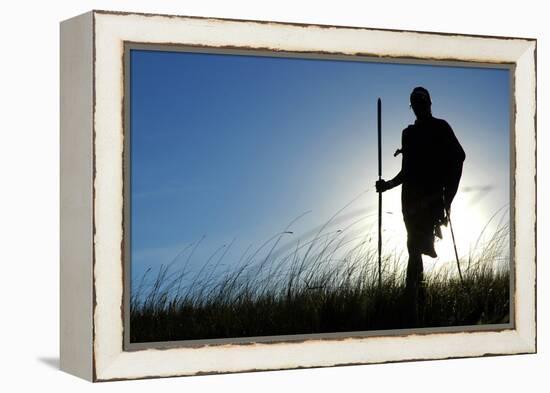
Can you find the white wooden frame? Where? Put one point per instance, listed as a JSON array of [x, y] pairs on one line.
[[92, 148]]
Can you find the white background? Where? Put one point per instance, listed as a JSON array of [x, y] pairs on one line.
[[29, 197]]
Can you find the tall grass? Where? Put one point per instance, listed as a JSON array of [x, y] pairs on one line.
[[327, 283]]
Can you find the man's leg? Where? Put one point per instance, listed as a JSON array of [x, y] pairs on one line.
[[414, 281]]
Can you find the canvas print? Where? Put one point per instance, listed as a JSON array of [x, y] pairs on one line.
[[282, 195]]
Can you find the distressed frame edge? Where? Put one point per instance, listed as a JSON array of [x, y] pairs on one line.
[[303, 24], [76, 196], [528, 339], [525, 130]]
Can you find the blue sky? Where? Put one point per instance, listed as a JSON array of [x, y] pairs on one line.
[[232, 148]]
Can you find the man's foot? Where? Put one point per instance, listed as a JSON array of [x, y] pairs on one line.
[[430, 251]]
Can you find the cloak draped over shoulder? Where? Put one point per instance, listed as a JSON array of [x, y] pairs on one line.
[[431, 168]]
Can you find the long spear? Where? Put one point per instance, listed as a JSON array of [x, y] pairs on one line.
[[379, 194]]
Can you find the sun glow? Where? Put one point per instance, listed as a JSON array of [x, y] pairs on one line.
[[472, 224]]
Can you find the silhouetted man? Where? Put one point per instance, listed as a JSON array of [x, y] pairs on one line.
[[430, 172]]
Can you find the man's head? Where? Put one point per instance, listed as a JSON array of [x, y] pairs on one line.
[[421, 102]]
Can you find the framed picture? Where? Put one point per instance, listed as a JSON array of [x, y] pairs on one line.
[[246, 195]]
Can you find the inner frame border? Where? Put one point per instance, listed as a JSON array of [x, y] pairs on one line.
[[128, 46]]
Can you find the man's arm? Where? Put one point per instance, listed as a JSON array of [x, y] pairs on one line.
[[455, 156], [382, 185], [455, 148]]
